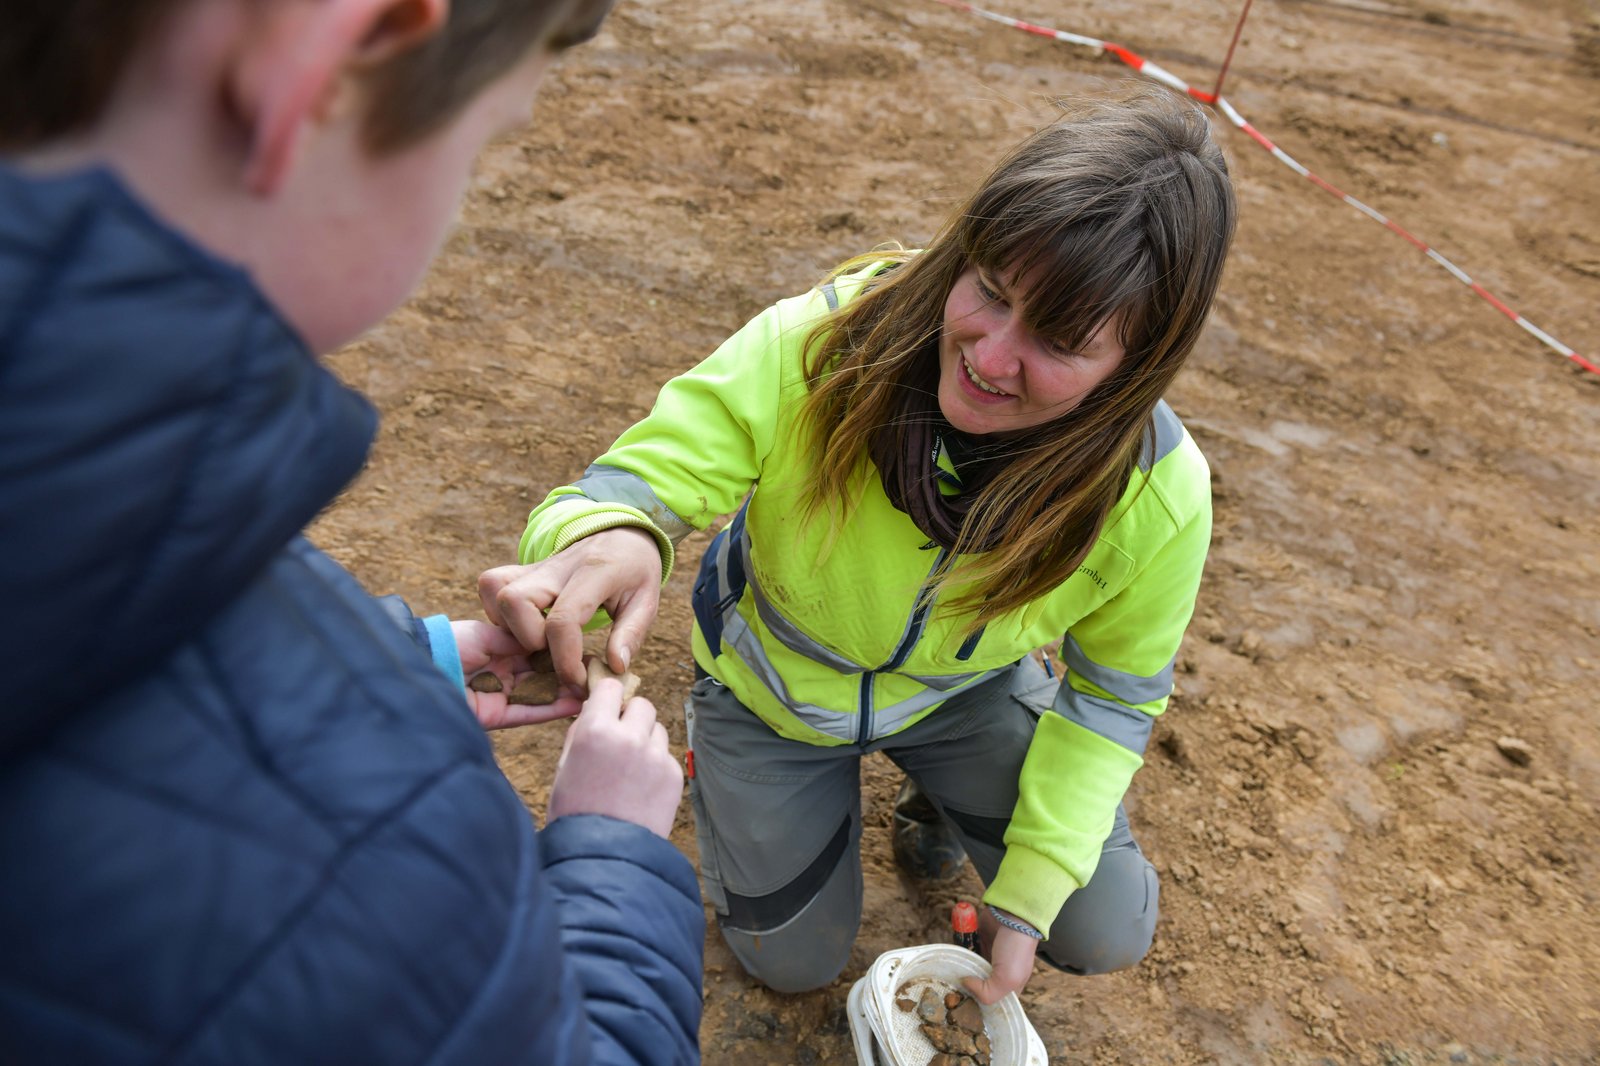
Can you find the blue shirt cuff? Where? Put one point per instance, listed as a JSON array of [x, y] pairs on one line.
[[442, 643]]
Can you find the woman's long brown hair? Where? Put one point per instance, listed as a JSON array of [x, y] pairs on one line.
[[1125, 210]]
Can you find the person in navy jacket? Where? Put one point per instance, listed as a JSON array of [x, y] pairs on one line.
[[247, 812]]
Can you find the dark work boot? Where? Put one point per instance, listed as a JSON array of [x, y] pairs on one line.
[[925, 845]]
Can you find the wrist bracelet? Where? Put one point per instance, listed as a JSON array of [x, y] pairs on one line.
[[1015, 924]]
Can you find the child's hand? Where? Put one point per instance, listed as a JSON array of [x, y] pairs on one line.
[[486, 647], [547, 604], [616, 762]]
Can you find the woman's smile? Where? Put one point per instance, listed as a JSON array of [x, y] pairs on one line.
[[987, 390]]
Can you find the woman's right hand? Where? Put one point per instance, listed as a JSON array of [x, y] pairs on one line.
[[547, 604]]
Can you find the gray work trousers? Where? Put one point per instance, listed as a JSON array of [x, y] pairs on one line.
[[779, 825]]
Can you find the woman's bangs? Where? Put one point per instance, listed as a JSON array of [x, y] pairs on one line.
[[1070, 279]]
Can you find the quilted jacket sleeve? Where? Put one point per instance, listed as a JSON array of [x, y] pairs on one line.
[[638, 965]]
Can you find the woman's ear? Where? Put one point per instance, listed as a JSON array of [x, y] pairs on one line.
[[285, 77]]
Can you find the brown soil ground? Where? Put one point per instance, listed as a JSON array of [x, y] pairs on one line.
[[1407, 484]]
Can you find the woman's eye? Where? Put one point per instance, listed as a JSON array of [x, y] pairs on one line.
[[984, 290]]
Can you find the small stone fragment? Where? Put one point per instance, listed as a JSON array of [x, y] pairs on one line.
[[952, 1022], [535, 690], [905, 1003], [941, 1037], [1516, 749], [968, 1015], [485, 682], [599, 671]]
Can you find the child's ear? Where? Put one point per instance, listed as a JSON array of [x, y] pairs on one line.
[[286, 74], [402, 25]]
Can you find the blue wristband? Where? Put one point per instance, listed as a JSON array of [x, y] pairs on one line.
[[1015, 924], [442, 645]]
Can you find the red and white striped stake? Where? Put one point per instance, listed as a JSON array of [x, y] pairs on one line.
[[1167, 78]]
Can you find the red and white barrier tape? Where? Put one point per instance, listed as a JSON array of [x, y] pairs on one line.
[[1166, 77]]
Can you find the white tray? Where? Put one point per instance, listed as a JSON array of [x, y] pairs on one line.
[[871, 999]]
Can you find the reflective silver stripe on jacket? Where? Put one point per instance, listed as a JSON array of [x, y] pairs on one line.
[[738, 635], [844, 725], [1168, 435], [719, 545], [788, 634], [1126, 726], [610, 484]]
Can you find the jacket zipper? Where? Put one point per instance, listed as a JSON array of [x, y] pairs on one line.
[[908, 640]]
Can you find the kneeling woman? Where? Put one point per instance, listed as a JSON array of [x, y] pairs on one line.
[[940, 461]]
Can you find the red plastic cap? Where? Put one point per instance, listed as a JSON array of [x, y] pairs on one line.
[[964, 918]]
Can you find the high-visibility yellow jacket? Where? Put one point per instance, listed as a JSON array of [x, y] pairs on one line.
[[817, 629]]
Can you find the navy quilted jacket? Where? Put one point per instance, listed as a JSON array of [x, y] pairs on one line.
[[243, 818]]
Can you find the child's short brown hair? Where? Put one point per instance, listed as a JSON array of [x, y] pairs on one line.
[[60, 61]]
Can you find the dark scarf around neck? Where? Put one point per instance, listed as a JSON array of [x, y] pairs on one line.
[[906, 453]]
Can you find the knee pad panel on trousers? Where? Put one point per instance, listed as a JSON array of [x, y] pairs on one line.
[[1108, 924], [812, 948], [776, 909]]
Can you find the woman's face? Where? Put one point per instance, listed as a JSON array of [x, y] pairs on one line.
[[996, 375]]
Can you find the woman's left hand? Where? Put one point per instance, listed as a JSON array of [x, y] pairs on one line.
[[483, 646], [1011, 954]]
